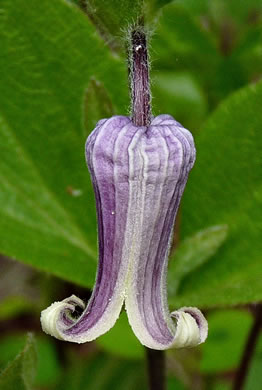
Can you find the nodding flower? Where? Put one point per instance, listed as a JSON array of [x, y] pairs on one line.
[[139, 174]]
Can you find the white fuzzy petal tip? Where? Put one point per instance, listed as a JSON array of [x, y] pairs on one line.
[[191, 327], [51, 316]]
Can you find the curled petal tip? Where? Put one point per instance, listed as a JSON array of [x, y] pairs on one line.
[[72, 320], [191, 327], [59, 315]]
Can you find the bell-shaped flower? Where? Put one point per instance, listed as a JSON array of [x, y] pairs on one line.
[[139, 175]]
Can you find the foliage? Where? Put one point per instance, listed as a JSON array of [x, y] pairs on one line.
[[19, 374], [229, 148], [45, 186], [192, 253]]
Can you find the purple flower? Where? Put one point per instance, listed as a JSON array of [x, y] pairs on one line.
[[139, 174]]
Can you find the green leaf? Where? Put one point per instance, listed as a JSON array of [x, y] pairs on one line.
[[127, 345], [177, 92], [113, 23], [205, 38], [47, 216], [180, 41], [103, 372], [191, 254], [48, 367], [97, 105], [225, 188], [20, 373], [228, 331]]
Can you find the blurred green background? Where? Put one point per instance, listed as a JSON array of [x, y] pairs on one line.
[[62, 70]]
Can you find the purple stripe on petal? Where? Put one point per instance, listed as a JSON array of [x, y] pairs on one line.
[[138, 175], [168, 150], [107, 159]]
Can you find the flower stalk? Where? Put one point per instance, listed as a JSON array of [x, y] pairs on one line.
[[249, 349], [139, 79], [156, 366]]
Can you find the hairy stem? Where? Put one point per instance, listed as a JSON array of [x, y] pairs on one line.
[[249, 349], [139, 78], [141, 116], [156, 369]]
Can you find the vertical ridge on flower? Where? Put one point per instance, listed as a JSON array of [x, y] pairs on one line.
[[167, 155], [138, 174], [102, 148]]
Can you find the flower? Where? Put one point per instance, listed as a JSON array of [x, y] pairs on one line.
[[139, 174]]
